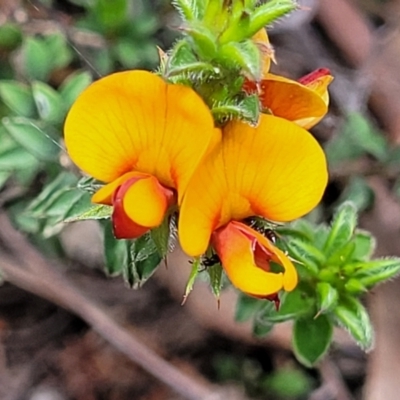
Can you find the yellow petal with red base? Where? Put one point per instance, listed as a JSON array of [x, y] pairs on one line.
[[289, 99], [318, 81], [140, 204], [276, 170], [246, 256], [134, 121]]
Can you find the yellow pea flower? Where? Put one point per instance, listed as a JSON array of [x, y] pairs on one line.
[[144, 138], [304, 102], [276, 170]]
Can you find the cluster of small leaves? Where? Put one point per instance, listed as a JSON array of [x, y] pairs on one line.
[[335, 269], [217, 52]]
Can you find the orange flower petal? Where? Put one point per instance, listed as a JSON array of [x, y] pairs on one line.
[[134, 121], [289, 99], [277, 170], [318, 81], [235, 244]]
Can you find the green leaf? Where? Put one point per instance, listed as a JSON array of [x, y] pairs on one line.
[[190, 10], [13, 157], [352, 316], [204, 40], [373, 272], [342, 229], [56, 43], [312, 338], [18, 98], [327, 297], [37, 59], [143, 261], [293, 305], [342, 255], [80, 212], [161, 237], [73, 86], [246, 109], [89, 184], [267, 13], [112, 15], [246, 307], [32, 137], [10, 36], [354, 287], [365, 245], [261, 327], [245, 55], [306, 254], [115, 252], [48, 102], [50, 192]]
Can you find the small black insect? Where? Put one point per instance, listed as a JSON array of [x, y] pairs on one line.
[[210, 261]]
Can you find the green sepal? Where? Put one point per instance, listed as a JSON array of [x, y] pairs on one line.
[[293, 305], [89, 184], [245, 55], [215, 274], [73, 86], [33, 137], [84, 209], [194, 272], [245, 110], [163, 237], [18, 98], [49, 102], [204, 41], [342, 228], [312, 338], [327, 297], [182, 60], [267, 13], [352, 316], [373, 272], [143, 260]]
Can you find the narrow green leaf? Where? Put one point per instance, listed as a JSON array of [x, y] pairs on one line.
[[17, 158], [37, 59], [204, 40], [352, 316], [50, 192], [293, 305], [311, 339], [269, 12], [306, 254], [48, 102], [343, 254], [327, 297], [370, 273], [161, 237], [84, 209], [187, 9], [89, 184], [261, 328], [73, 86], [354, 287], [56, 43], [365, 245], [32, 137], [342, 229], [18, 98]]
